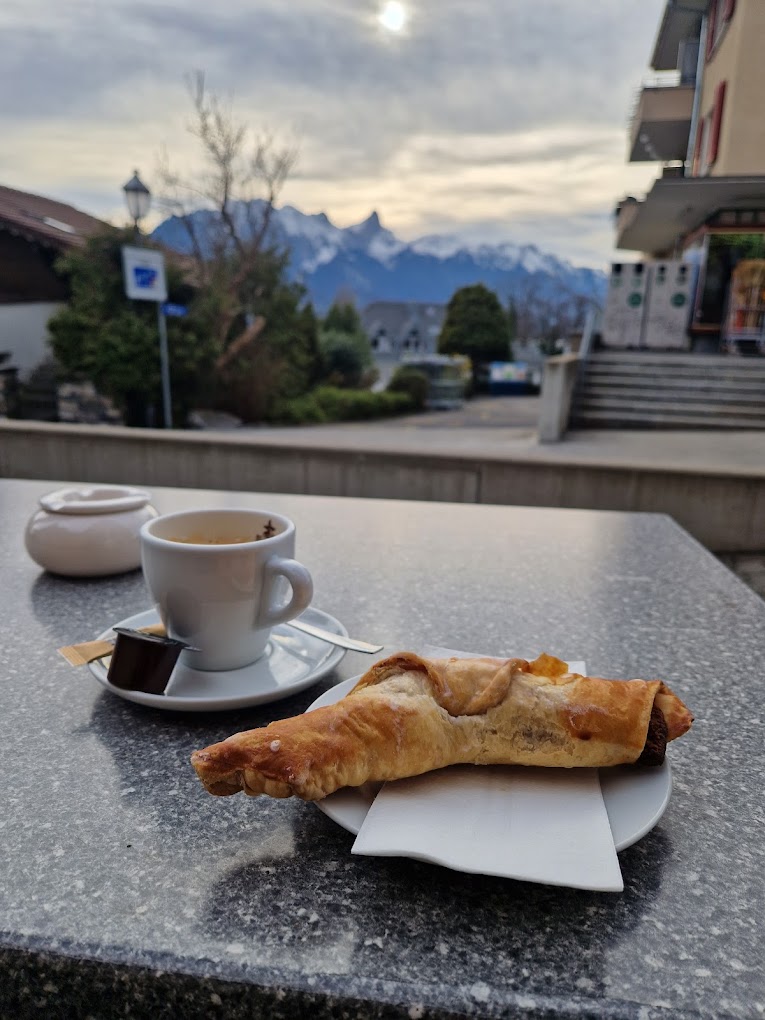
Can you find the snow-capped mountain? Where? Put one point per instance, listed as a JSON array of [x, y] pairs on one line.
[[370, 262]]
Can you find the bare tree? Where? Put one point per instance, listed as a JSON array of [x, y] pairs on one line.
[[546, 317], [239, 167]]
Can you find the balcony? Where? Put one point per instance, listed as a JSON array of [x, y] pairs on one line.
[[681, 22], [661, 123]]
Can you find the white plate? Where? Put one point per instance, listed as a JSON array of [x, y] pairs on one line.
[[635, 798], [293, 661]]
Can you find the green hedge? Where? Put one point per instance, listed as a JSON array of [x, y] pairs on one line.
[[329, 403]]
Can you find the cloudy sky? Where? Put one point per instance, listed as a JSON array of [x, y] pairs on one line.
[[493, 119]]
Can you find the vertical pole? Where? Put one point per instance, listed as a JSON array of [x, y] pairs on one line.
[[165, 365], [695, 109]]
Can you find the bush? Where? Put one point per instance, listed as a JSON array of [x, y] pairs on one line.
[[330, 403], [346, 358], [411, 381], [304, 410]]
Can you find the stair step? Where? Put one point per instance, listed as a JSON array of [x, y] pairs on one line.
[[608, 418], [680, 397], [665, 360], [670, 390], [746, 386], [618, 404], [678, 372], [677, 381], [652, 372]]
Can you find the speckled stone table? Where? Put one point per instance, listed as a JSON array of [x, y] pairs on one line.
[[125, 890]]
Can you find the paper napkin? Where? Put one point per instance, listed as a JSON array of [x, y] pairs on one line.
[[532, 824]]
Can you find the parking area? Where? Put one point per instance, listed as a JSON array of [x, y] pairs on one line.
[[516, 412]]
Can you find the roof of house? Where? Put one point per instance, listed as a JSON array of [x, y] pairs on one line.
[[397, 317], [45, 221]]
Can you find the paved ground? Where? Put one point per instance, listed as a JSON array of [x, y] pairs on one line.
[[516, 417], [506, 427], [505, 412]]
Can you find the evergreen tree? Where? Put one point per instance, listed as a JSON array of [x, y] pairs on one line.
[[343, 318], [345, 348], [112, 341], [476, 326]]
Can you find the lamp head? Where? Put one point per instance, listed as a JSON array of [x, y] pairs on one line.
[[138, 197]]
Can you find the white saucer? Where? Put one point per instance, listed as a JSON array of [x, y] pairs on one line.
[[635, 798], [293, 661]]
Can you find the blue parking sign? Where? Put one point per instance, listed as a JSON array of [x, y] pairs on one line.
[[144, 276], [144, 273]]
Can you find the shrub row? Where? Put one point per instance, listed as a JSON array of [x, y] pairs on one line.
[[329, 403]]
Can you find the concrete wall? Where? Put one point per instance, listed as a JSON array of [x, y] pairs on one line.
[[558, 382], [24, 333], [745, 152], [725, 512]]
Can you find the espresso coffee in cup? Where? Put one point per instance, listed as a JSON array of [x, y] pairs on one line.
[[221, 579]]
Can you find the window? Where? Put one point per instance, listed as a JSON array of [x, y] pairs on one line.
[[716, 124], [700, 164], [708, 135], [720, 13], [724, 254]]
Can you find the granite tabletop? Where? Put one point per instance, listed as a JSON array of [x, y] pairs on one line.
[[126, 890]]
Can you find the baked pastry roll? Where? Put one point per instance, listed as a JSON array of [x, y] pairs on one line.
[[408, 715]]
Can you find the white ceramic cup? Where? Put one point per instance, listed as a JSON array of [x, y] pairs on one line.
[[218, 580]]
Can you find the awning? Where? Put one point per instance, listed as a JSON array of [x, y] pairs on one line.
[[675, 206]]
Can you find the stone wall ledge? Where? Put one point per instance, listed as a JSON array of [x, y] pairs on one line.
[[722, 506]]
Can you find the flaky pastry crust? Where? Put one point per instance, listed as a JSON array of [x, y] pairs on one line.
[[408, 715]]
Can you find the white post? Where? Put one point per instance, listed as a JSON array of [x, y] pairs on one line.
[[558, 384]]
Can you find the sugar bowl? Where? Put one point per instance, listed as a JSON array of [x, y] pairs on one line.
[[89, 531]]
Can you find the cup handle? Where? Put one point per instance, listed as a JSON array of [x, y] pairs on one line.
[[302, 591]]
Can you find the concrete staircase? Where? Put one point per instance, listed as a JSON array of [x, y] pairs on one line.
[[640, 390]]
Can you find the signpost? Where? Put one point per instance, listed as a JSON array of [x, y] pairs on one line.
[[144, 276], [174, 311]]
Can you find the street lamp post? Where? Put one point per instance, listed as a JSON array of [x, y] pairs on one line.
[[138, 198]]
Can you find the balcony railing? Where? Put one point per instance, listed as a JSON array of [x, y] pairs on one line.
[[661, 119]]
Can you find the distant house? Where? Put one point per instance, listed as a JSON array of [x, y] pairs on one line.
[[34, 231], [398, 328]]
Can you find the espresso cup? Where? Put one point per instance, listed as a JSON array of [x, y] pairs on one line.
[[221, 579]]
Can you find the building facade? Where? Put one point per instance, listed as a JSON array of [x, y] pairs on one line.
[[400, 328], [701, 117], [34, 232]]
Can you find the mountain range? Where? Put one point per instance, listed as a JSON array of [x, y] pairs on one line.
[[370, 262]]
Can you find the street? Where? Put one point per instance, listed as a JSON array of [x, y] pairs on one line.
[[516, 412]]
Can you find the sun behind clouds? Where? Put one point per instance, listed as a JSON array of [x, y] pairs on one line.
[[393, 16]]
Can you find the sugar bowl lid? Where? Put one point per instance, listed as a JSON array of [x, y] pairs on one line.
[[97, 499]]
